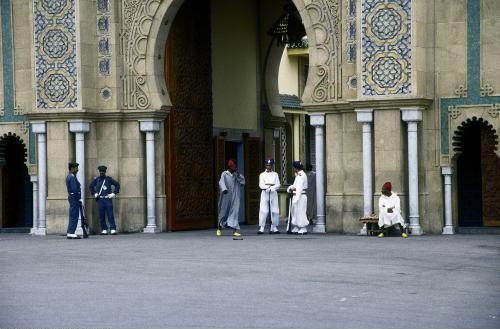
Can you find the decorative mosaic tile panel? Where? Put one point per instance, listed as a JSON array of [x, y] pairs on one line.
[[351, 31], [55, 54], [386, 47], [103, 31]]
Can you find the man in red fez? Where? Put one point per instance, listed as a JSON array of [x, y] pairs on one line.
[[231, 185], [389, 208]]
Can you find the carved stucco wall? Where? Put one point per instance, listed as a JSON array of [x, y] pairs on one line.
[[321, 20], [144, 29]]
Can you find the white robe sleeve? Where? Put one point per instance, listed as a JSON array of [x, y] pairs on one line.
[[262, 183], [222, 183], [276, 182]]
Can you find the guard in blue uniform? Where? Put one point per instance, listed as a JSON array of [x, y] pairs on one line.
[[74, 199], [101, 188]]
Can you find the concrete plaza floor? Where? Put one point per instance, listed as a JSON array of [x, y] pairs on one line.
[[196, 280]]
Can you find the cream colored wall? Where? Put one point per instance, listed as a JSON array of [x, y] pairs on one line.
[[423, 48], [288, 74], [490, 44], [344, 191], [23, 54], [451, 46], [235, 64]]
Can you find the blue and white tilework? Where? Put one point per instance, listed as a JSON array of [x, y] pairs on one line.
[[351, 31], [103, 31], [386, 47], [55, 54]]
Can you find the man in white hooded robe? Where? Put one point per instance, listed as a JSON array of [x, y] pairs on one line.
[[230, 185]]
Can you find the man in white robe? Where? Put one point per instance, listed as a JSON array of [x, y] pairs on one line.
[[389, 209], [230, 184], [299, 199], [269, 183]]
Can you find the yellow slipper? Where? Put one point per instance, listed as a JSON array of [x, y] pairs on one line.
[[404, 235], [381, 235], [218, 232]]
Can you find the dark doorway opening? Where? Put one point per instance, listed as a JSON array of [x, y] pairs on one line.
[[478, 174], [16, 198]]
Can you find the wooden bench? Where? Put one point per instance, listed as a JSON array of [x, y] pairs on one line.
[[371, 223]]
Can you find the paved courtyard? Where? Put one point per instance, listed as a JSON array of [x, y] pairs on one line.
[[195, 280]]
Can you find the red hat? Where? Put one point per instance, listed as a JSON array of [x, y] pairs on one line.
[[231, 164], [387, 186]]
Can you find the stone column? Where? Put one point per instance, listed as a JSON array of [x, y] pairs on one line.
[[40, 129], [34, 181], [448, 225], [412, 115], [318, 121], [150, 127], [79, 128], [365, 116]]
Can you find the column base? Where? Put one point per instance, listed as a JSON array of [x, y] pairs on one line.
[[416, 230], [363, 230], [40, 231], [151, 229], [319, 228], [448, 230]]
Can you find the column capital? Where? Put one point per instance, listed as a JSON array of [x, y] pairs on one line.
[[79, 126], [317, 119], [364, 115], [412, 114], [39, 127], [149, 125], [447, 170]]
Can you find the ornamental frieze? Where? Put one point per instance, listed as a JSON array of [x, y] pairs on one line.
[[325, 18], [137, 16]]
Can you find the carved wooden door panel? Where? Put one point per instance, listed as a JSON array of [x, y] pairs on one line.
[[190, 170], [490, 170], [253, 167]]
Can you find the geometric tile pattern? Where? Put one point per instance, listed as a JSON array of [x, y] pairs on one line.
[[351, 31], [103, 32], [386, 47], [55, 54]]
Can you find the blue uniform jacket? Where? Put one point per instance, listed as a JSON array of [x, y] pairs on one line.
[[74, 187], [95, 185]]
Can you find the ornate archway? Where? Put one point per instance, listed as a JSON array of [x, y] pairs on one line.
[[478, 173], [146, 44]]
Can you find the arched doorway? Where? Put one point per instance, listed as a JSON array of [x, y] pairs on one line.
[[478, 174], [196, 35], [16, 199]]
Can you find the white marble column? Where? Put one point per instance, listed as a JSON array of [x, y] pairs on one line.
[[318, 121], [413, 115], [40, 129], [150, 127], [365, 116], [34, 181], [448, 225], [79, 128]]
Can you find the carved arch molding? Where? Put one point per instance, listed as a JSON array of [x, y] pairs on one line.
[[321, 20], [459, 116]]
